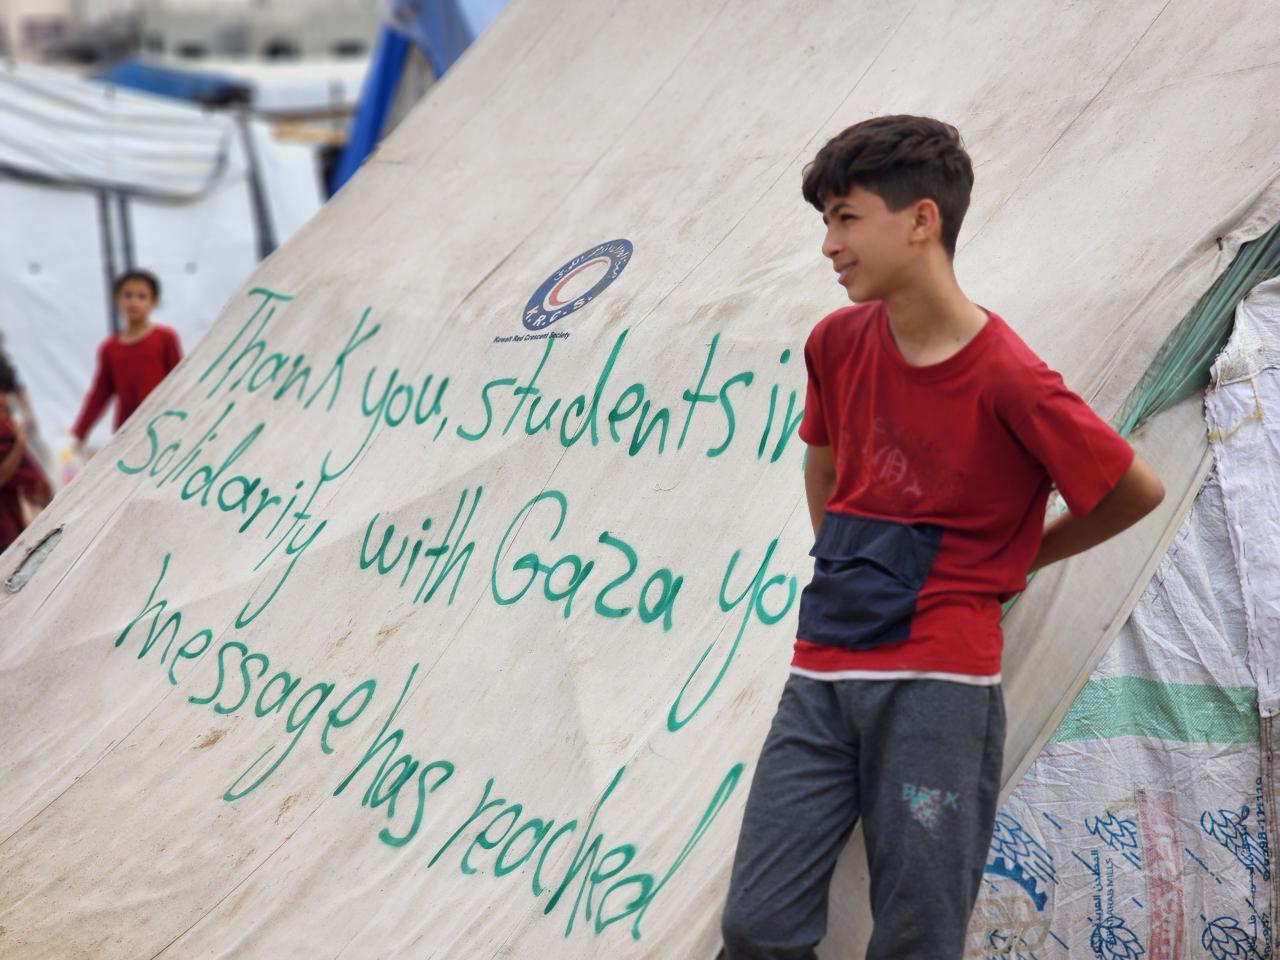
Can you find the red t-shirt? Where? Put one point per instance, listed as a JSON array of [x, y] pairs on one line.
[[968, 448], [127, 371]]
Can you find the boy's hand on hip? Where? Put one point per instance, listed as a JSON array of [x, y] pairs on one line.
[[1136, 493]]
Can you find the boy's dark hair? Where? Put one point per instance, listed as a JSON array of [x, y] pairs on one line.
[[146, 276], [901, 159]]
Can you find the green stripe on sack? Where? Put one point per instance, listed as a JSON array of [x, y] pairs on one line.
[[1185, 712]]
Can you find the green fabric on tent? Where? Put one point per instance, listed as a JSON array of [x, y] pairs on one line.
[[1182, 365], [1185, 712]]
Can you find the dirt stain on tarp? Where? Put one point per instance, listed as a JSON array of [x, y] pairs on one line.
[[387, 630], [210, 738], [285, 804]]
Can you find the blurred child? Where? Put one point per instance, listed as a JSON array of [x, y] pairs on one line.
[[20, 476], [132, 362], [17, 392]]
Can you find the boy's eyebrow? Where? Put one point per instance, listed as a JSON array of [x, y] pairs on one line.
[[837, 206]]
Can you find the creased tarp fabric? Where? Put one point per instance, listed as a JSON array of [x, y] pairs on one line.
[[1240, 408], [1160, 746], [58, 127], [1107, 172], [1243, 412]]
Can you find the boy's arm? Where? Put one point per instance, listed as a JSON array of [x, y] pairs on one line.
[[819, 482], [1137, 493]]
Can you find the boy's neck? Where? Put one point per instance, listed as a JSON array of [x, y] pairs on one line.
[[135, 329], [932, 319]]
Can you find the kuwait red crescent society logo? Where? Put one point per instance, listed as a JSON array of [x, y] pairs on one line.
[[576, 283]]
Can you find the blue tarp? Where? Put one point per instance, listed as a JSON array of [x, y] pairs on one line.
[[371, 112], [176, 83], [442, 30]]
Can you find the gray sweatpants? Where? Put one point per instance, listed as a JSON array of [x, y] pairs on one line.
[[918, 761]]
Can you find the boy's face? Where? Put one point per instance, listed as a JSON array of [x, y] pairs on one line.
[[869, 245], [135, 300]]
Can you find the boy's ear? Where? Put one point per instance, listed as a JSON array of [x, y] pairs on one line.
[[926, 220]]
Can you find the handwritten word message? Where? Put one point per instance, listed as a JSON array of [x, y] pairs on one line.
[[211, 460], [609, 887]]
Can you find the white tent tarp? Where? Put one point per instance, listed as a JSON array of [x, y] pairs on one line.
[[481, 668]]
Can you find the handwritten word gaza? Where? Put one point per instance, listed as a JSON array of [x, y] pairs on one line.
[[617, 595], [392, 398], [609, 887]]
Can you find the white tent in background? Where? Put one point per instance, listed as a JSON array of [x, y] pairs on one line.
[[438, 604], [94, 180]]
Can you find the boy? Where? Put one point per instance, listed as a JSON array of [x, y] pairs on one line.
[[934, 436], [133, 362]]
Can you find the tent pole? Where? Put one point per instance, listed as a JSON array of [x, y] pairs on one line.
[[108, 260]]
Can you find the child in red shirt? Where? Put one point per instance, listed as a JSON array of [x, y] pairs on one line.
[[934, 438], [22, 481], [132, 362]]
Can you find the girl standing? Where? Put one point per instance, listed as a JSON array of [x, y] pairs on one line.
[[132, 362]]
